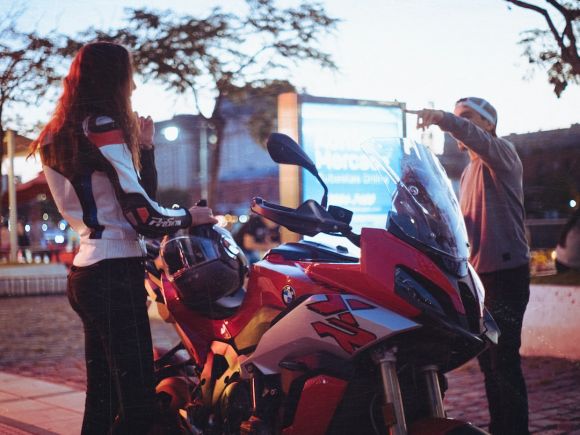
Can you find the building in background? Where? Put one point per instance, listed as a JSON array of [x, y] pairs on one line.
[[246, 169], [551, 160], [177, 146], [183, 146]]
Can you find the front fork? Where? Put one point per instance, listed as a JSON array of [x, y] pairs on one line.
[[434, 398], [393, 411]]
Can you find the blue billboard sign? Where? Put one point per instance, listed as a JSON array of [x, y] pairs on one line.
[[331, 132]]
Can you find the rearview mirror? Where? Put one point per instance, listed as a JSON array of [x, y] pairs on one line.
[[283, 149]]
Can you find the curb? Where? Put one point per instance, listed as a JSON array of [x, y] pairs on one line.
[[551, 323], [33, 286], [33, 280]]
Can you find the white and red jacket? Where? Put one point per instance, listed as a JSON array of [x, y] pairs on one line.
[[106, 201]]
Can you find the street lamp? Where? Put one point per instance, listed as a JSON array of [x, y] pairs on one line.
[[12, 210], [170, 133], [207, 137]]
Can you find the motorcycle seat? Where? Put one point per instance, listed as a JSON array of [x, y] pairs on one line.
[[312, 251]]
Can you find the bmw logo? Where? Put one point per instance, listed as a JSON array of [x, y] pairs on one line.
[[288, 294]]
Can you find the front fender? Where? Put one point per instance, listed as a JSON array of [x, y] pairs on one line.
[[444, 426]]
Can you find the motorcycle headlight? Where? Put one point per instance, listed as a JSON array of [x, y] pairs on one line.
[[478, 288], [415, 293]]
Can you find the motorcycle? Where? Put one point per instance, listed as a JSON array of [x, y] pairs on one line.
[[320, 340]]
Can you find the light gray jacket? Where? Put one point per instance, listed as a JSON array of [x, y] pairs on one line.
[[491, 198]]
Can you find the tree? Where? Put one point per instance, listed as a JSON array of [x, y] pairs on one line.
[[262, 97], [221, 53], [26, 69], [554, 49]]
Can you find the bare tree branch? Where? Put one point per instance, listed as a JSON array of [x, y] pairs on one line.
[[546, 15], [562, 63]]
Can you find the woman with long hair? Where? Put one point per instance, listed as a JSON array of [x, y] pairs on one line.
[[97, 155]]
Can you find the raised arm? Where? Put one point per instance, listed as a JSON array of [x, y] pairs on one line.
[[493, 151], [145, 215]]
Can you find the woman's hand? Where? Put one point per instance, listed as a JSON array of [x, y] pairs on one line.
[[201, 215], [146, 131]]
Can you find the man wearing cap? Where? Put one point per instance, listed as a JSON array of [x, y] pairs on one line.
[[491, 198]]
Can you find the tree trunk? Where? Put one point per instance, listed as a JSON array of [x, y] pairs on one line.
[[219, 124], [2, 135]]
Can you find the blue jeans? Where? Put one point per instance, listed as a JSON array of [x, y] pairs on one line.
[[110, 299], [506, 296]]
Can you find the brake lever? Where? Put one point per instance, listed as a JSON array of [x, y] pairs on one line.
[[353, 238]]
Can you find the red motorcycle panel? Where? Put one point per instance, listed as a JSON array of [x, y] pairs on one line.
[[374, 277], [341, 325], [313, 415]]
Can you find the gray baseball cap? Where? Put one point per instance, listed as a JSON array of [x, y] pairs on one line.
[[481, 106]]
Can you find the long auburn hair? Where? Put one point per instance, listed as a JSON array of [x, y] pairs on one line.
[[98, 83]]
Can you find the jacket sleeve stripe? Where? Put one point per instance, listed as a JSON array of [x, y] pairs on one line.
[[106, 138]]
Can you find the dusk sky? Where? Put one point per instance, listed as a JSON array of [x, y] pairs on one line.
[[415, 51]]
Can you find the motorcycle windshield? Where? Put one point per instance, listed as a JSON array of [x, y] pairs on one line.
[[423, 206]]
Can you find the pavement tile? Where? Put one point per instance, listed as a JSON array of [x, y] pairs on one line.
[[65, 427], [36, 388], [546, 414], [7, 397], [71, 401], [7, 377], [44, 417], [6, 429], [9, 409], [568, 426], [546, 423], [566, 402]]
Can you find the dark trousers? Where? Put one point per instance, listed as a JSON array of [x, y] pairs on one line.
[[110, 299], [506, 296], [561, 268]]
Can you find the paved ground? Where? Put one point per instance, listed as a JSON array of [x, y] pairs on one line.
[[42, 337], [42, 340]]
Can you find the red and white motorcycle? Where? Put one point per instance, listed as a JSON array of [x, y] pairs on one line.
[[321, 341]]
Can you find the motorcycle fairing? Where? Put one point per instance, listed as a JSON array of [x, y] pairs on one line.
[[196, 333], [312, 415], [374, 277], [253, 330], [342, 325]]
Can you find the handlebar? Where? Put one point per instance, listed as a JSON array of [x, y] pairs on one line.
[[309, 219]]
